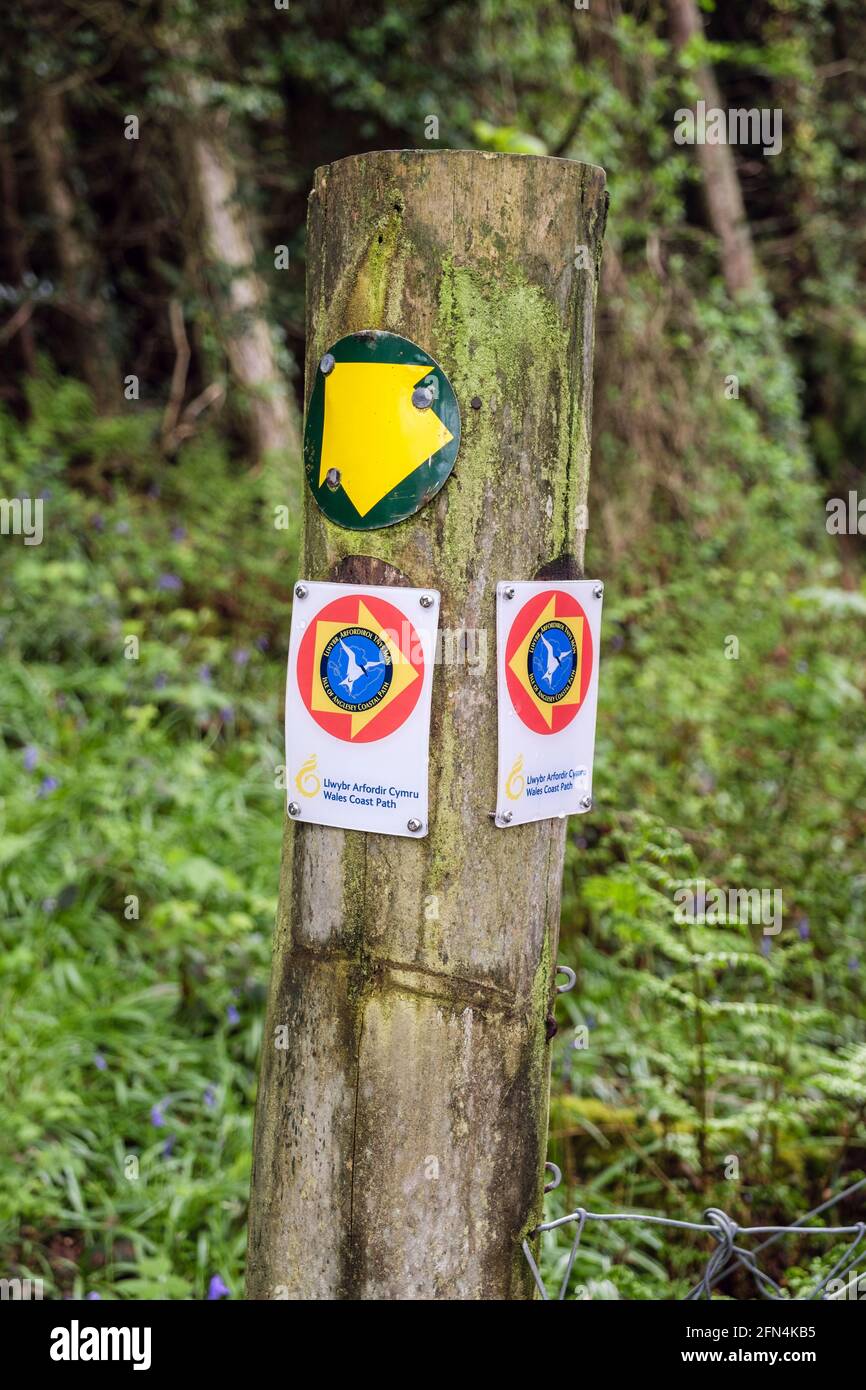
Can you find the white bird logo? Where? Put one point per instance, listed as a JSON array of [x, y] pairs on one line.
[[355, 669], [553, 661]]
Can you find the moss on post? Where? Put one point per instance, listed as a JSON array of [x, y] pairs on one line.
[[400, 1140]]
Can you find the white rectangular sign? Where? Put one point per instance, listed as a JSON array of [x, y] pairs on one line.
[[547, 650], [358, 694]]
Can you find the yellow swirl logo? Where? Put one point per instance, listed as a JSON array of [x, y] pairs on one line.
[[306, 781], [514, 782]]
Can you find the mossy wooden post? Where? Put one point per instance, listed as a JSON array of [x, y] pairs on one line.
[[400, 1135]]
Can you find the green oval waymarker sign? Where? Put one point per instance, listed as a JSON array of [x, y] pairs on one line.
[[382, 431]]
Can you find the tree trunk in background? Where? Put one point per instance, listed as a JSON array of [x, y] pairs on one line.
[[240, 293], [400, 1141], [16, 256], [79, 268], [724, 199]]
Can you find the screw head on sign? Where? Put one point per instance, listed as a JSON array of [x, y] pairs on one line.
[[413, 825], [586, 803], [422, 398], [294, 808], [300, 591], [508, 591], [507, 817], [327, 364], [332, 478], [598, 591], [426, 600]]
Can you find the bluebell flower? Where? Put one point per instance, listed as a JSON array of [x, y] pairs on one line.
[[217, 1289], [31, 757], [170, 582], [99, 1062], [48, 785], [232, 1015], [157, 1117]]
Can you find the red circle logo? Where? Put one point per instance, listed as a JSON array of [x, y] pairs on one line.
[[548, 661], [360, 668]]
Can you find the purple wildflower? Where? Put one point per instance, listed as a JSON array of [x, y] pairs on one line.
[[31, 757], [48, 785], [93, 1296], [241, 656], [262, 644], [170, 582], [160, 681], [766, 945], [232, 1015], [803, 928], [209, 1097], [99, 1062], [217, 1289], [157, 1117], [227, 714], [853, 963], [178, 533], [205, 675], [168, 1146]]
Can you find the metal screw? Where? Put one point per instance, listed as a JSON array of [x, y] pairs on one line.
[[586, 803], [332, 478], [327, 364], [426, 600], [422, 397], [413, 825], [301, 591], [598, 590], [508, 591], [507, 817], [294, 808]]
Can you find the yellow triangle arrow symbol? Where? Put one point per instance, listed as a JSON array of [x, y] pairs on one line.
[[373, 434]]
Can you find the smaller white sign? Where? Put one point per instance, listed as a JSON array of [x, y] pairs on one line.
[[547, 648], [358, 691]]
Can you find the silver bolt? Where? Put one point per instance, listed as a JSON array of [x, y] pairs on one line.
[[422, 397], [294, 808], [586, 803], [413, 825], [426, 600], [508, 591], [332, 478], [598, 590], [507, 817], [327, 364], [301, 591]]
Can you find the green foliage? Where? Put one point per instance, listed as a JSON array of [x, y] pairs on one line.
[[139, 839]]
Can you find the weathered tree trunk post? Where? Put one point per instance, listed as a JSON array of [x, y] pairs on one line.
[[400, 1139]]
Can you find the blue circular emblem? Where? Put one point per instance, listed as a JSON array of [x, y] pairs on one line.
[[356, 669], [552, 661]]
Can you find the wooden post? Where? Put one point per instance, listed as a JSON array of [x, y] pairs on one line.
[[400, 1137]]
